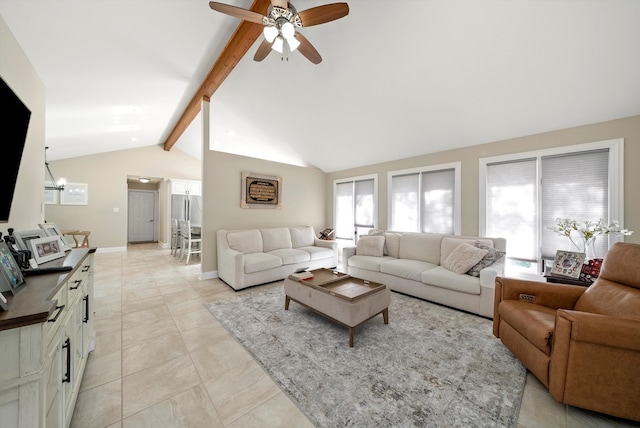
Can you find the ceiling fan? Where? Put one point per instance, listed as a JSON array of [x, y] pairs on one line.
[[282, 23]]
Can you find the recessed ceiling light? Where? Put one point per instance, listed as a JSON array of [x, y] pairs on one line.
[[144, 180]]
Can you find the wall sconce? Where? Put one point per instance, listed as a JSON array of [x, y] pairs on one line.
[[56, 184]]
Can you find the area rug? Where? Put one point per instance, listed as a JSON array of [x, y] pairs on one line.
[[431, 366]]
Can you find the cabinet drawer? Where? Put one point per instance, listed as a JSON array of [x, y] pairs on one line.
[[57, 316]]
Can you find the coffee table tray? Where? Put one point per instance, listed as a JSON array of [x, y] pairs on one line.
[[342, 285]]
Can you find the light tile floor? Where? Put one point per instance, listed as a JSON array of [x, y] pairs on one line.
[[162, 360]]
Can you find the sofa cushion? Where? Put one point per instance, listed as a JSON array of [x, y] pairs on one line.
[[245, 241], [463, 258], [490, 258], [450, 243], [368, 262], [276, 238], [302, 236], [257, 262], [317, 253], [392, 243], [406, 268], [420, 246], [370, 246], [444, 278], [291, 256]]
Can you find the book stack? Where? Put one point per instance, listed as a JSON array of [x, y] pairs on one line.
[[301, 276]]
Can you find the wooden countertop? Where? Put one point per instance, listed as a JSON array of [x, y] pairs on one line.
[[33, 304]]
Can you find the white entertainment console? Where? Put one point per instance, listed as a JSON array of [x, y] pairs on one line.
[[45, 339]]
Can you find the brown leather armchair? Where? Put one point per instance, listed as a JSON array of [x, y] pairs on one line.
[[582, 343]]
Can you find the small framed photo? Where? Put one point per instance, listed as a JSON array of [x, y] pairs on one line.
[[47, 249], [50, 229], [75, 194], [24, 236], [567, 264], [11, 278]]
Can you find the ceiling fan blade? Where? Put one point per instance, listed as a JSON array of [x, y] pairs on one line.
[[307, 49], [263, 50], [321, 14], [280, 3], [238, 12]]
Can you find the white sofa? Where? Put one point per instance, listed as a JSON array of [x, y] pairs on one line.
[[412, 263], [257, 256]]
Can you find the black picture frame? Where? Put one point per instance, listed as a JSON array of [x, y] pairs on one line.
[[11, 278]]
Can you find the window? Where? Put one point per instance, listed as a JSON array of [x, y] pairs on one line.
[[355, 210], [425, 199], [522, 195]]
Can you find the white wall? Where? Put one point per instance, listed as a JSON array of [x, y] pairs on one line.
[[302, 201], [627, 128], [106, 176], [16, 69]]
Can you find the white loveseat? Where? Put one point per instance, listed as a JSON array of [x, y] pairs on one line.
[[257, 256], [412, 263]]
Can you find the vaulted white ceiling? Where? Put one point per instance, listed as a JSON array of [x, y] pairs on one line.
[[398, 78]]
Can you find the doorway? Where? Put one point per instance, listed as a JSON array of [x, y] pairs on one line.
[[142, 216]]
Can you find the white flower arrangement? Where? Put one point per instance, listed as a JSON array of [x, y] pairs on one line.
[[588, 231]]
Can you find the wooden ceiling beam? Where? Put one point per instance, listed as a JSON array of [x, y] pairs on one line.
[[240, 42]]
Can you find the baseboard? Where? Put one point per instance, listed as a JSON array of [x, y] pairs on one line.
[[111, 249], [208, 275]]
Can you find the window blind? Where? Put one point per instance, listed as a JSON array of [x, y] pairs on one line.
[[438, 189], [511, 204], [344, 227], [404, 202], [574, 186]]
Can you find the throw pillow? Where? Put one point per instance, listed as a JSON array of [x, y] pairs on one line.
[[463, 258], [370, 246], [376, 232], [490, 258]]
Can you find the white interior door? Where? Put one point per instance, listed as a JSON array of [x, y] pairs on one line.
[[142, 221]]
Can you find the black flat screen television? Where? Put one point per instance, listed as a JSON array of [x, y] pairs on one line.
[[13, 135]]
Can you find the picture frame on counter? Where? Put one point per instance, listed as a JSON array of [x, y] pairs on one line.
[[11, 278], [46, 249], [24, 236], [567, 264]]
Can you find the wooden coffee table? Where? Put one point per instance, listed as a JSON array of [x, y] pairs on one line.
[[342, 298]]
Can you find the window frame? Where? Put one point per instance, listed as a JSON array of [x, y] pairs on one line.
[[615, 184], [457, 186]]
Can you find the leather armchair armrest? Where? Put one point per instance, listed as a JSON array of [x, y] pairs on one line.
[[595, 362], [602, 330], [554, 296]]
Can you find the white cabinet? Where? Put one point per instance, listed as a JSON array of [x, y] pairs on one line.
[[43, 362], [185, 187]]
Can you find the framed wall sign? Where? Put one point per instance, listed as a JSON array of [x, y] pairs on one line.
[[261, 191], [75, 194], [47, 249]]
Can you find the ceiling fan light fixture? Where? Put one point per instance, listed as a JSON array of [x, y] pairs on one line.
[[270, 33], [278, 45], [293, 43], [287, 30]]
